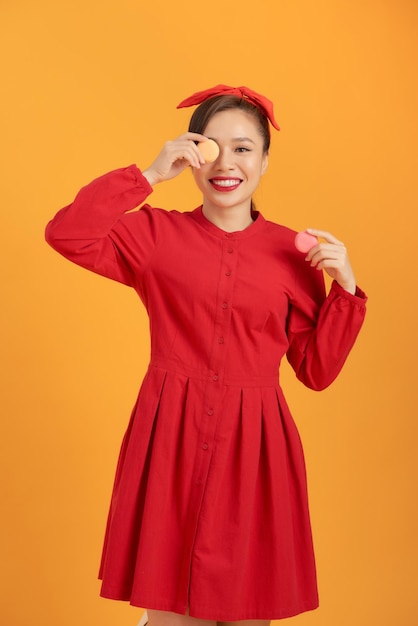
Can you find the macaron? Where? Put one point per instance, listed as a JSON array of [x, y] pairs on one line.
[[209, 150], [304, 241]]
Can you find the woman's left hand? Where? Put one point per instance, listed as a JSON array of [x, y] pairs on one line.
[[331, 256]]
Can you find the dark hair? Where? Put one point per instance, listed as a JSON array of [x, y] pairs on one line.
[[205, 111]]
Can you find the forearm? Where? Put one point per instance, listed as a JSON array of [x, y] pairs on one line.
[[94, 232], [317, 354]]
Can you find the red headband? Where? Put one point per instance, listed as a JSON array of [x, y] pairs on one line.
[[261, 102]]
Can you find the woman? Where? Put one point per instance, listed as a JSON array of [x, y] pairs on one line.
[[209, 516]]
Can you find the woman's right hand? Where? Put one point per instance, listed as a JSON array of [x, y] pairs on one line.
[[175, 156]]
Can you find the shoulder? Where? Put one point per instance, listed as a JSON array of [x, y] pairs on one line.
[[157, 214], [165, 216], [281, 234], [158, 220], [281, 239]]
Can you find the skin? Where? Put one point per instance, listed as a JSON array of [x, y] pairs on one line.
[[245, 161], [332, 257], [241, 159], [166, 618]]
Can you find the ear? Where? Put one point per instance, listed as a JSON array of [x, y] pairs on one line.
[[264, 163]]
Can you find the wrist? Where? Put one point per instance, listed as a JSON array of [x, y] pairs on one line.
[[151, 177], [349, 286]]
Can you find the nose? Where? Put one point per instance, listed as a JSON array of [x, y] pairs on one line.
[[225, 159]]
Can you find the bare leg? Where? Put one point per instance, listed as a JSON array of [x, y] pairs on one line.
[[167, 618], [144, 619]]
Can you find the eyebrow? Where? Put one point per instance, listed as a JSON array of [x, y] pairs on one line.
[[238, 139]]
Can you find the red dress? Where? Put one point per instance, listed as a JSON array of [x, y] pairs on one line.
[[209, 509]]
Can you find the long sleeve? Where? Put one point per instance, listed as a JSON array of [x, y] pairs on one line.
[[96, 232], [322, 331]]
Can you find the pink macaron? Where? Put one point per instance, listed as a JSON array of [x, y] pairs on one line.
[[304, 241]]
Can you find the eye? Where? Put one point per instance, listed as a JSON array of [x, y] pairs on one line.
[[242, 149]]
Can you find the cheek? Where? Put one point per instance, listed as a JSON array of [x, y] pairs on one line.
[[257, 166], [199, 179], [256, 170]]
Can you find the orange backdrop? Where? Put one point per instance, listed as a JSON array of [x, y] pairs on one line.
[[91, 85]]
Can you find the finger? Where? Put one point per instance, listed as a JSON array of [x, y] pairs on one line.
[[185, 151], [325, 249], [325, 235], [334, 255], [196, 158], [192, 137], [327, 263], [187, 148], [195, 139]]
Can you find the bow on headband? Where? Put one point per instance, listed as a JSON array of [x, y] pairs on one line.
[[261, 102]]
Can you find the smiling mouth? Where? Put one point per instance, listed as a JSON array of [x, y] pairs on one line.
[[225, 184]]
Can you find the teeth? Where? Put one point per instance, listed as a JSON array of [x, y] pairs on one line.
[[226, 183]]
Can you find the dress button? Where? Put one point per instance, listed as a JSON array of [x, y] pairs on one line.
[[221, 340], [228, 273], [229, 235], [215, 377], [210, 412], [230, 250], [224, 305], [205, 446]]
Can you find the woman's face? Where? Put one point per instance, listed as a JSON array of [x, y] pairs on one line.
[[230, 181]]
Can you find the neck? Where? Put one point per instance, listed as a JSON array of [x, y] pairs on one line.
[[229, 219]]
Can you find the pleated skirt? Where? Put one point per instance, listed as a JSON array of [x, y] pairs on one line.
[[209, 510]]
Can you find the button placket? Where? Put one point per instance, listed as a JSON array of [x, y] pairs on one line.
[[222, 322]]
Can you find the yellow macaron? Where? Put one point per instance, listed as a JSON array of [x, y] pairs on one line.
[[209, 150]]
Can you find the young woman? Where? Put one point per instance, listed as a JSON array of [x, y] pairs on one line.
[[209, 516]]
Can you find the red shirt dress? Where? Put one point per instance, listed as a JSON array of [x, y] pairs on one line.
[[209, 508]]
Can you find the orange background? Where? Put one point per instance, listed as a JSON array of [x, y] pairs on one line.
[[91, 85]]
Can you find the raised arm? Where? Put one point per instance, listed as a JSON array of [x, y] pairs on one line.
[[96, 232]]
